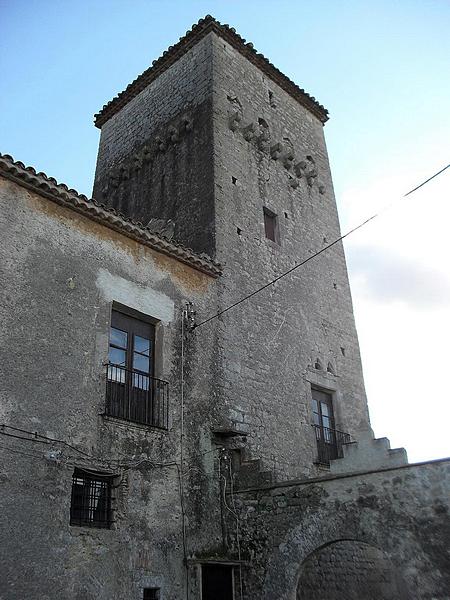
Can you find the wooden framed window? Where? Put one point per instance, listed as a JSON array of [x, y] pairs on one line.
[[131, 348], [133, 393], [322, 406], [329, 440], [270, 225]]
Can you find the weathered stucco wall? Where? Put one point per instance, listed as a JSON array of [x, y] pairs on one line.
[[61, 272], [382, 534]]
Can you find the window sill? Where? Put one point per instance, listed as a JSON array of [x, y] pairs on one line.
[[273, 245], [322, 466]]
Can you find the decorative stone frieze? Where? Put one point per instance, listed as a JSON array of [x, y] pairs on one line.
[[259, 135], [156, 235], [170, 136]]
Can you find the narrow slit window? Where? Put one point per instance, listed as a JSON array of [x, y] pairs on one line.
[[270, 225]]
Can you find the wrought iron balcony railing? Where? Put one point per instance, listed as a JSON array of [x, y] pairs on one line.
[[330, 443], [137, 397]]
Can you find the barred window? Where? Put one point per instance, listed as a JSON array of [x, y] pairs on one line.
[[91, 499]]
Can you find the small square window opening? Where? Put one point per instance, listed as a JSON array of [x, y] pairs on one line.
[[91, 499], [270, 225]]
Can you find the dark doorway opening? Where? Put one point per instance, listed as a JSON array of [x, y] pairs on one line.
[[217, 582]]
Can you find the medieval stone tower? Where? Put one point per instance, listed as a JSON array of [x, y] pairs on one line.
[[169, 432], [217, 146]]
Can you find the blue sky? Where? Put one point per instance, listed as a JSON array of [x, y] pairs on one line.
[[381, 68]]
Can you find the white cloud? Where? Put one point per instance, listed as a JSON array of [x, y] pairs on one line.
[[400, 278], [387, 277]]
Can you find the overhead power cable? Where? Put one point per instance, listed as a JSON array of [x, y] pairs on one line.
[[33, 437], [321, 251]]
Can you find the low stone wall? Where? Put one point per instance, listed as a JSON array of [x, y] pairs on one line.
[[380, 534]]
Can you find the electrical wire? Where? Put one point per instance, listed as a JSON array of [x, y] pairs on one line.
[[233, 512], [124, 465], [45, 439], [180, 468], [306, 260], [238, 528]]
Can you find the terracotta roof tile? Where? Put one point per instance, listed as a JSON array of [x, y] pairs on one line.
[[59, 192], [194, 35]]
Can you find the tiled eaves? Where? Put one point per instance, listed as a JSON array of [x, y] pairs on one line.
[[185, 43], [60, 194]]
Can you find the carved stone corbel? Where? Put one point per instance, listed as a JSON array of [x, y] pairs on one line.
[[186, 124], [146, 153], [160, 144], [311, 173], [300, 168], [276, 150], [234, 121], [248, 132], [288, 159], [173, 134], [124, 172], [137, 161]]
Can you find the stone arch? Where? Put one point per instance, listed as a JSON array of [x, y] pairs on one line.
[[348, 569], [317, 529]]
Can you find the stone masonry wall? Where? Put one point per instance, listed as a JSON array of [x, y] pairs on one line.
[[269, 151], [391, 526], [154, 159], [350, 569], [249, 145]]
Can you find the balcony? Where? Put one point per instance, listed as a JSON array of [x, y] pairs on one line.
[[329, 444], [135, 396]]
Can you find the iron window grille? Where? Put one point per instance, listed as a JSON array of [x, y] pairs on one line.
[[91, 499], [136, 397], [330, 444]]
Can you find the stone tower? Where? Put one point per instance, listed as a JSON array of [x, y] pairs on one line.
[[215, 146], [160, 451]]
